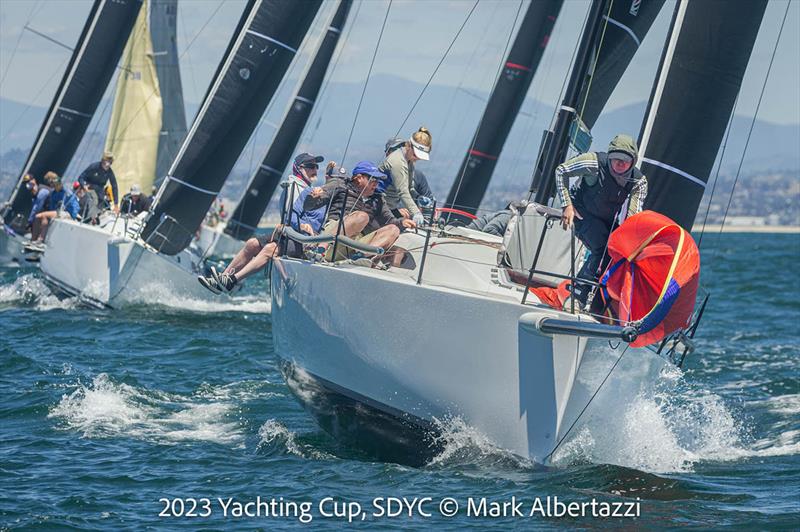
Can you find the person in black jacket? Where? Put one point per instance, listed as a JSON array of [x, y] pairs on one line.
[[98, 174], [134, 201]]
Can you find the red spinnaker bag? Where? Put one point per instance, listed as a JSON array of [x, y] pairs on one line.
[[653, 275]]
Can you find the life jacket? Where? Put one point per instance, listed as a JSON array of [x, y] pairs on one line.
[[604, 197]]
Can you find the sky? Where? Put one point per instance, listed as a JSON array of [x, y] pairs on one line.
[[416, 36]]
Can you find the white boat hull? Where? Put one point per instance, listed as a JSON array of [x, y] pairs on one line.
[[423, 354], [106, 268]]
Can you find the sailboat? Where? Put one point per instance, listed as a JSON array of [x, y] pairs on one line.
[[225, 239], [94, 60], [144, 258], [466, 338]]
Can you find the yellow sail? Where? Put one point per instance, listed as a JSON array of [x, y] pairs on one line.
[[135, 125]]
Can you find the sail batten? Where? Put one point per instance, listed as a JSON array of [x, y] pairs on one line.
[[245, 82], [265, 180], [88, 73]]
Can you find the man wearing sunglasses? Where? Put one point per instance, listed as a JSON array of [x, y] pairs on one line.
[[260, 249], [605, 181]]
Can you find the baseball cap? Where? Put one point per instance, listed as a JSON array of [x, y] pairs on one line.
[[76, 185], [306, 158], [393, 143], [368, 168], [337, 171], [135, 190]]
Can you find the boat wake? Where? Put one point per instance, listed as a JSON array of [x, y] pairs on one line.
[[106, 408], [157, 295], [30, 291]]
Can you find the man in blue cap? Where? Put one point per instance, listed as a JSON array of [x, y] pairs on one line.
[[367, 217]]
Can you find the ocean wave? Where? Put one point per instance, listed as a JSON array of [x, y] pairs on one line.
[[275, 437], [106, 408], [30, 291]]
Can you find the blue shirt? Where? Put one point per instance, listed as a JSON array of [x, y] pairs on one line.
[[72, 206], [314, 217], [56, 199], [39, 203]]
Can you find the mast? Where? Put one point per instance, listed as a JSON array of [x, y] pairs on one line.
[[699, 78], [258, 57], [135, 124], [163, 31], [88, 73], [556, 142], [251, 207], [504, 104]]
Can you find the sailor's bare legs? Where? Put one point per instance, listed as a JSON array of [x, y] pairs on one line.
[[40, 223], [355, 222], [385, 236], [258, 262], [251, 249]]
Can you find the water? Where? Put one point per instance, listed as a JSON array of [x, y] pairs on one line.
[[105, 412]]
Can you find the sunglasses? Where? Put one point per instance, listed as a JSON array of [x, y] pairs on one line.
[[312, 165]]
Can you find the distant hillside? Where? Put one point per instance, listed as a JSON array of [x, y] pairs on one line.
[[451, 114]]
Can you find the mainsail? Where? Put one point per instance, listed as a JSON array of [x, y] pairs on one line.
[[268, 38], [90, 68], [505, 101], [163, 31], [693, 96], [135, 125], [262, 185], [628, 24]]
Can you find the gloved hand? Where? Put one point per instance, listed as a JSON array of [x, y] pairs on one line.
[[419, 219], [424, 201]]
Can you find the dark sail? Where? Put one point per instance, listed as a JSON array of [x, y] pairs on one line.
[[262, 185], [692, 99], [628, 23], [163, 31], [246, 80], [504, 104], [88, 73]]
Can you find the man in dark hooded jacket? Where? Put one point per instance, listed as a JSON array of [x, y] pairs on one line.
[[605, 181]]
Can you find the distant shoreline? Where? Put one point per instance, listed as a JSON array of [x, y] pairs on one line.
[[783, 229]]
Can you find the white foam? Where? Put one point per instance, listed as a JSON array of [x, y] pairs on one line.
[[275, 434], [660, 425], [30, 291], [461, 443], [109, 409], [157, 295]]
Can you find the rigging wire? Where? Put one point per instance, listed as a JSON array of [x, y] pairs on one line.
[[719, 167], [16, 45], [324, 94], [750, 131], [494, 85], [589, 402], [435, 70], [366, 81]]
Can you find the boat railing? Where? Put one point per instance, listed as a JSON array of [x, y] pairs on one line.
[[300, 238], [165, 236]]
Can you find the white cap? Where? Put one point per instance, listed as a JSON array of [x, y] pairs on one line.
[[135, 190]]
